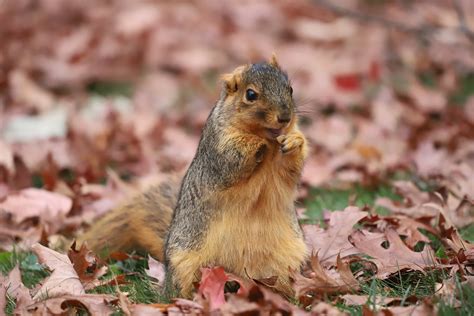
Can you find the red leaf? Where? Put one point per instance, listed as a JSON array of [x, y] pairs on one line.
[[212, 286], [348, 82]]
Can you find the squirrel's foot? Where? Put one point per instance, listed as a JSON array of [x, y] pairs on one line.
[[291, 141]]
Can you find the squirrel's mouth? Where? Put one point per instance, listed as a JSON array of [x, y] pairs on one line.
[[274, 132]]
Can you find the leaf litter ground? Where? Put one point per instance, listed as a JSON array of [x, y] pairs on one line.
[[388, 109]]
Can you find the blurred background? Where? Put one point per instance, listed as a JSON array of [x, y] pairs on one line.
[[116, 92]]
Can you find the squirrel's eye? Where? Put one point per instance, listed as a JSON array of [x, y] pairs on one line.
[[291, 90], [251, 95]]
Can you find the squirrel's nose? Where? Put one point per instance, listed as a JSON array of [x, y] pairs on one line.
[[284, 118]]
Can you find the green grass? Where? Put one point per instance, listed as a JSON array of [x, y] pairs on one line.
[[31, 271], [321, 199], [140, 287], [465, 90], [111, 88], [468, 233]]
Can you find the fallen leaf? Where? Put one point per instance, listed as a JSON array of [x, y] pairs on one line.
[[333, 241], [87, 266], [188, 305], [337, 30], [334, 132], [94, 304], [347, 82], [352, 299], [323, 308], [63, 279], [236, 305], [396, 256], [410, 228], [6, 157], [429, 161], [26, 92], [156, 270], [454, 240], [212, 285], [34, 202], [15, 288], [427, 100], [145, 310], [321, 281], [422, 309]]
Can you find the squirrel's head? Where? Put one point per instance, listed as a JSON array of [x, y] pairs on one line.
[[261, 98]]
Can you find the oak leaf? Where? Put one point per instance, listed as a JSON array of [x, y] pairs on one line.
[[156, 270], [95, 304], [34, 202], [63, 280], [333, 241], [396, 256], [325, 281]]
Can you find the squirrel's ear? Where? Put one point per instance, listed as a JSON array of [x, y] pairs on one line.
[[273, 61], [233, 79]]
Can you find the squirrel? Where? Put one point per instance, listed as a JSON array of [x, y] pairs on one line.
[[235, 206]]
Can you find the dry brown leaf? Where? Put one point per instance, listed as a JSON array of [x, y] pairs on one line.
[[87, 266], [188, 306], [180, 147], [422, 309], [6, 157], [237, 305], [410, 228], [429, 161], [146, 309], [396, 256], [131, 309], [427, 100], [325, 281], [456, 243], [323, 308], [34, 202], [333, 133], [333, 241], [448, 292], [156, 270], [94, 304], [63, 279], [270, 301], [25, 91], [15, 288], [352, 299], [337, 30]]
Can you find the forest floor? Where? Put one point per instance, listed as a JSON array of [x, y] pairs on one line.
[[101, 99]]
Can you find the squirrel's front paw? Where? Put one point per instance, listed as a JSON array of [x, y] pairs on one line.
[[290, 142]]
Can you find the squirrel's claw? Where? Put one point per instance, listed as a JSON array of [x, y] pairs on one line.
[[290, 142]]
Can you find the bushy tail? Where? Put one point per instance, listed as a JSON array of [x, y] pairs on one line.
[[140, 224]]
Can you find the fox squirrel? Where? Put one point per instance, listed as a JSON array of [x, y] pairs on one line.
[[235, 207]]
